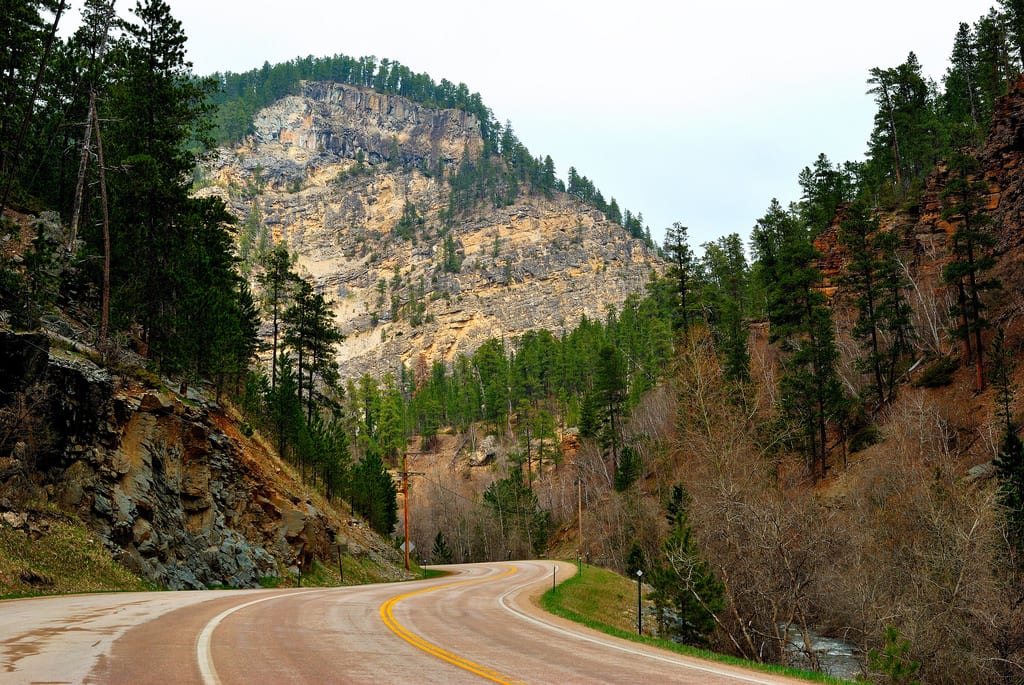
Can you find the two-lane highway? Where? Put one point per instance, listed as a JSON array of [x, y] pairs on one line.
[[478, 625]]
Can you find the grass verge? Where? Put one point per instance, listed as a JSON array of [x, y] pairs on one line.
[[58, 555], [605, 601]]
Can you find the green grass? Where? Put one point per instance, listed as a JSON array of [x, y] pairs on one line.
[[606, 601], [359, 570], [426, 573], [65, 558]]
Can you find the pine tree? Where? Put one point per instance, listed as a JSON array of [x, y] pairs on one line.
[[683, 581], [996, 66], [1013, 10], [157, 111], [630, 468], [440, 553], [311, 334], [391, 436], [491, 365], [1009, 462], [374, 494], [26, 43], [801, 323], [610, 389], [962, 100], [726, 288], [967, 272], [905, 141], [330, 455], [278, 281], [522, 524], [680, 256], [824, 188], [284, 407], [875, 283]]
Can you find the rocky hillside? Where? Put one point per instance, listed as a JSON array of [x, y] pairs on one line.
[[351, 180], [925, 234], [168, 483]]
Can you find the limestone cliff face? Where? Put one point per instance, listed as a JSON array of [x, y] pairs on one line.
[[167, 483], [341, 121], [330, 172]]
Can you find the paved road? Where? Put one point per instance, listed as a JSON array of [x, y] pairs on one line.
[[476, 626]]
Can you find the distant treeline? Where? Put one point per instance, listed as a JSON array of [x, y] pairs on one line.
[[242, 95]]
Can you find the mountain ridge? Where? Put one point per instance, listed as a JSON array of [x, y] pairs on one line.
[[351, 180]]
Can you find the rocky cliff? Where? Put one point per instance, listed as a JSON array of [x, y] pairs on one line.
[[352, 181], [168, 483], [925, 234]]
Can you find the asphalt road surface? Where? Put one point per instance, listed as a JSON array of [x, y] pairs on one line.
[[476, 626]]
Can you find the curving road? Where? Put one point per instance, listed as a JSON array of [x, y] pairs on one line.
[[479, 625]]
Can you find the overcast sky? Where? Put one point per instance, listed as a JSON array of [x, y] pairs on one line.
[[693, 111]]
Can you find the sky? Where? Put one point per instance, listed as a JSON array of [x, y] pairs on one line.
[[684, 111]]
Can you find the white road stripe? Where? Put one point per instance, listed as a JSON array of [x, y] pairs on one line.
[[204, 655], [503, 600]]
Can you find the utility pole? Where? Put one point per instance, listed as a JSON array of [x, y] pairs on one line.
[[579, 519], [405, 498]]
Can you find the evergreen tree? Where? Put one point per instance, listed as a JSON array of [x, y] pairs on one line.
[[278, 281], [374, 495], [523, 525], [441, 553], [366, 407], [680, 256], [726, 296], [1013, 11], [311, 334], [331, 455], [824, 188], [996, 67], [635, 560], [963, 206], [491, 365], [610, 387], [801, 323], [962, 98], [683, 581], [284, 407], [220, 320], [906, 139], [391, 431], [630, 468], [156, 108], [26, 42], [875, 281], [1009, 462]]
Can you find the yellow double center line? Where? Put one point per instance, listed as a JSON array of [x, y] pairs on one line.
[[387, 615]]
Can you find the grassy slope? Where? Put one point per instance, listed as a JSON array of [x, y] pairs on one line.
[[606, 601], [65, 558]]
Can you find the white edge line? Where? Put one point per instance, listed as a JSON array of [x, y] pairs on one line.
[[503, 600], [204, 655]]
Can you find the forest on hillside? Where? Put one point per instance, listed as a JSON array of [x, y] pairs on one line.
[[750, 440]]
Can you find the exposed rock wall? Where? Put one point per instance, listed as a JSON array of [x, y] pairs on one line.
[[925, 234], [343, 120], [168, 484], [541, 262]]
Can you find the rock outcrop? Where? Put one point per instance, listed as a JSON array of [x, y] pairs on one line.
[[333, 171], [925, 234], [168, 483]]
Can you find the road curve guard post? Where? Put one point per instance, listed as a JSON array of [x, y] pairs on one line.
[[639, 604], [339, 548]]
